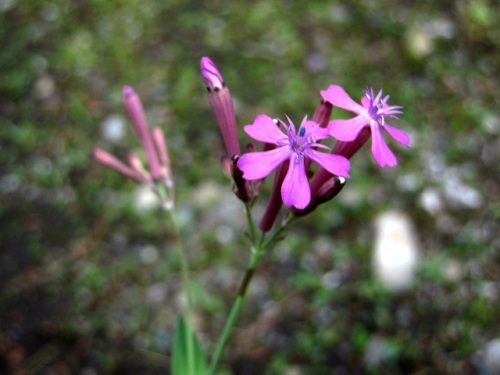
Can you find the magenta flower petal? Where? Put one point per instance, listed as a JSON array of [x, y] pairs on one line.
[[382, 154], [264, 129], [257, 165], [366, 102], [337, 96], [295, 190], [347, 130], [335, 164], [398, 135], [313, 129]]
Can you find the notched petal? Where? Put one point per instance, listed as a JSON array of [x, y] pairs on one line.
[[257, 165], [264, 129], [347, 130], [398, 135], [295, 189], [338, 97], [381, 153]]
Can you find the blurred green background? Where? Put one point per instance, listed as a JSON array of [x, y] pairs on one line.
[[89, 284]]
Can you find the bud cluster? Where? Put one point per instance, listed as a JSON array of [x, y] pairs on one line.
[[155, 148]]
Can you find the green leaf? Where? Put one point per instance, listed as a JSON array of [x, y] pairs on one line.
[[188, 358]]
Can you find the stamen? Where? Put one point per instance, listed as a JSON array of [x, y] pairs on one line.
[[369, 94], [302, 131], [311, 140]]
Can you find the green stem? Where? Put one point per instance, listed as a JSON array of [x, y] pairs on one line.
[[235, 310], [251, 226], [258, 248], [279, 232], [187, 287]]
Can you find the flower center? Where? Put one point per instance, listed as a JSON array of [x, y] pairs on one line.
[[376, 105], [297, 142]]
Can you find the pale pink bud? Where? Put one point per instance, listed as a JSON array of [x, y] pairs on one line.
[[135, 110], [161, 147], [136, 164], [108, 160]]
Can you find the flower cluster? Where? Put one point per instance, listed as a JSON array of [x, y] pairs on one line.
[[155, 148], [285, 149], [290, 151]]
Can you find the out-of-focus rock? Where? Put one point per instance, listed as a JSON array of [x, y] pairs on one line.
[[488, 360], [395, 255]]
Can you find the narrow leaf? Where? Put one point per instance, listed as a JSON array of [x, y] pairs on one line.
[[188, 358]]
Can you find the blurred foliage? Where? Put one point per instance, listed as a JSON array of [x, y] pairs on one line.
[[90, 270]]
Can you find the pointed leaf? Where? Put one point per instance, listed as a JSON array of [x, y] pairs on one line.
[[188, 358]]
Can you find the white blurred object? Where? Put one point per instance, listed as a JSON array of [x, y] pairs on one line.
[[148, 254], [376, 352], [113, 128], [487, 360], [431, 201], [492, 356], [145, 199], [395, 255]]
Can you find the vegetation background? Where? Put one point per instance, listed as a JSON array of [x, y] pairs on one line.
[[88, 282]]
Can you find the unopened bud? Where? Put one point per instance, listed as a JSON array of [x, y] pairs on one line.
[[221, 102], [108, 160], [327, 191], [242, 187], [211, 75], [323, 113], [135, 110]]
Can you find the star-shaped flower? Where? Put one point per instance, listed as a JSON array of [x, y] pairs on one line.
[[293, 147], [371, 112]]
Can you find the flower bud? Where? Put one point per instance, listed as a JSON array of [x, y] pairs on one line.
[[221, 102], [108, 160], [211, 76], [135, 110]]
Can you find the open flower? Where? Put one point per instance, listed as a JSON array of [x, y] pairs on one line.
[[371, 112], [293, 147]]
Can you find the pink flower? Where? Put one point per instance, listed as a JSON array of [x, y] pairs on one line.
[[294, 147], [371, 112]]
